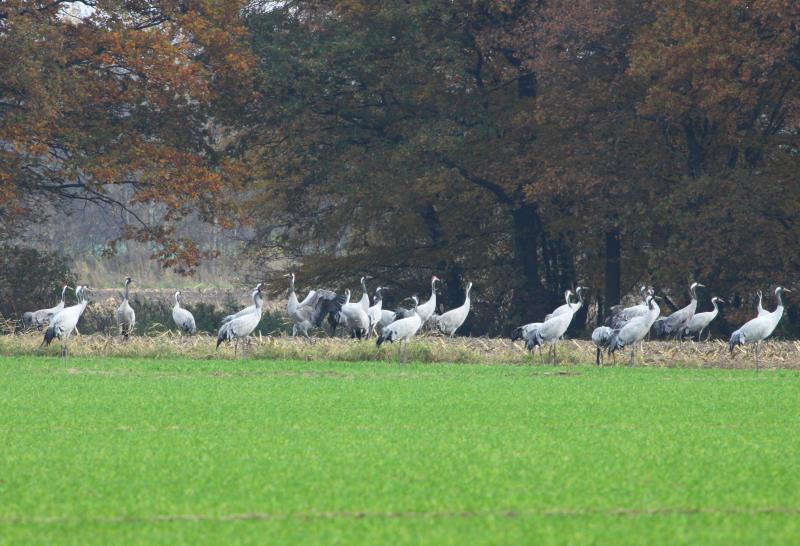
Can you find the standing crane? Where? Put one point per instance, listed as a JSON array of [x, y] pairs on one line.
[[619, 315], [451, 321], [183, 318], [246, 311], [700, 321], [550, 331], [126, 317], [375, 311], [429, 307], [300, 313], [401, 330], [601, 337], [64, 322], [760, 328], [635, 329], [243, 325], [569, 307], [354, 315], [674, 323], [522, 332], [39, 319]]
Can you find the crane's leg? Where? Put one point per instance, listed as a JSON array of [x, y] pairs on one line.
[[755, 351], [555, 355], [541, 354], [597, 356], [633, 356]]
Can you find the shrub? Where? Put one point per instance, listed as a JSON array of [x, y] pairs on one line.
[[31, 280]]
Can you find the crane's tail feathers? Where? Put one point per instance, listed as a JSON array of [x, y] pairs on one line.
[[224, 334], [49, 335], [737, 338], [386, 335], [517, 333], [615, 344]]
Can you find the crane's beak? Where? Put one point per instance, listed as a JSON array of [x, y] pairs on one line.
[[720, 300]]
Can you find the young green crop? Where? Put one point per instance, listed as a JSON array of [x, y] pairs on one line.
[[178, 451]]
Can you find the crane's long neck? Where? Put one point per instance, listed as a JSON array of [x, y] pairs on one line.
[[177, 301], [433, 292], [125, 298], [778, 296], [258, 301], [63, 294]]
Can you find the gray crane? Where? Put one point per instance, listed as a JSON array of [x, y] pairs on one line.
[[426, 310], [569, 307], [63, 323], [760, 328], [246, 311], [243, 325], [401, 330], [700, 321], [619, 315], [449, 322], [39, 319], [760, 306], [635, 329], [354, 315], [376, 311], [301, 313], [521, 332], [126, 317], [674, 323], [601, 337], [550, 331], [183, 318]]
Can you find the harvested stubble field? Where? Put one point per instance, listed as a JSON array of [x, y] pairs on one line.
[[426, 348], [100, 450]]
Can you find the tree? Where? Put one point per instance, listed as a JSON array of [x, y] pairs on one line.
[[132, 93]]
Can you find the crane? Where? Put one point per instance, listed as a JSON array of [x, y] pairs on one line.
[[243, 325], [569, 307], [550, 331], [38, 319], [300, 313], [760, 307], [183, 318], [601, 337], [126, 317], [760, 328], [619, 315], [521, 332], [354, 315], [700, 321], [64, 322], [451, 321], [401, 330], [246, 311], [635, 329], [376, 311], [674, 323], [429, 307]]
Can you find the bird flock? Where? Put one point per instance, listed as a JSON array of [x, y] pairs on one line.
[[623, 328]]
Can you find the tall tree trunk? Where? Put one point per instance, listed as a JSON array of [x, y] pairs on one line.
[[613, 269], [531, 299]]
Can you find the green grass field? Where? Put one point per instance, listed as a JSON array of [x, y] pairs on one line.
[[102, 451]]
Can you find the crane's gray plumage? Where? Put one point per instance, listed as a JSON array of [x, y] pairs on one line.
[[353, 316], [550, 331], [601, 337], [126, 317], [569, 307], [246, 311], [376, 311], [429, 307], [759, 328], [401, 330], [674, 323], [451, 321], [760, 307], [522, 332], [243, 325], [700, 321], [39, 319], [635, 329], [619, 315], [301, 313], [63, 323], [183, 318]]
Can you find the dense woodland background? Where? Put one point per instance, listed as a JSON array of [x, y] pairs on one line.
[[527, 146]]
